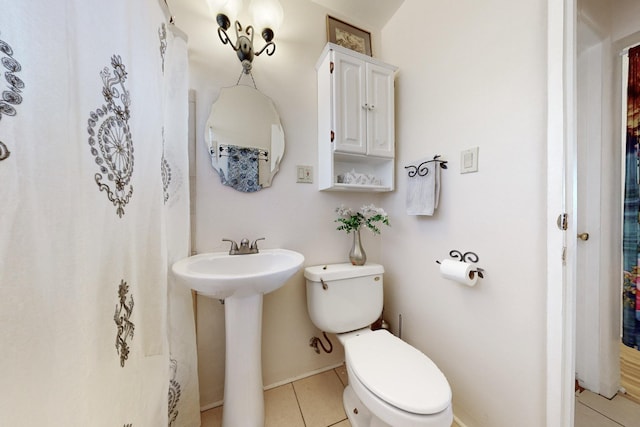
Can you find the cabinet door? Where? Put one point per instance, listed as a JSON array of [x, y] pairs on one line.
[[380, 111], [349, 120]]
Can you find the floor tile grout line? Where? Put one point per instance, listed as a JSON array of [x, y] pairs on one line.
[[300, 411], [335, 371], [604, 415], [293, 386]]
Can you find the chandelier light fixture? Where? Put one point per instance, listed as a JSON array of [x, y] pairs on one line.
[[266, 15]]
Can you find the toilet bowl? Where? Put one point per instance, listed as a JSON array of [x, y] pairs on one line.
[[396, 382], [391, 383]]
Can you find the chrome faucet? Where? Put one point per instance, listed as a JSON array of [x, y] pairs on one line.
[[244, 247]]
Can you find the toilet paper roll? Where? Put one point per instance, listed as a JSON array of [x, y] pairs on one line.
[[461, 272]]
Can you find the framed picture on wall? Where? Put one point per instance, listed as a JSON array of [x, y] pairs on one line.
[[346, 35]]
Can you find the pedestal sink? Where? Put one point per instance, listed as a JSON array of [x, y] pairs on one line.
[[241, 281]]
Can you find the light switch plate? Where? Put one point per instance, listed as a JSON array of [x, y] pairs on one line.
[[304, 174], [469, 160]]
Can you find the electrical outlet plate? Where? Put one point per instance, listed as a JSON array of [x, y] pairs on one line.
[[304, 174], [469, 160]]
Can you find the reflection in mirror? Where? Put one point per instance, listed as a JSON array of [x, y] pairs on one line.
[[245, 138]]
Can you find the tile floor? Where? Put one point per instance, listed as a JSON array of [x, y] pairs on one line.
[[593, 410], [315, 401]]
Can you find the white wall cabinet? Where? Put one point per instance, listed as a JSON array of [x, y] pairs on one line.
[[356, 132]]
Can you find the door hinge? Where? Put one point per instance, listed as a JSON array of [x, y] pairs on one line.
[[333, 136], [331, 67], [563, 221]]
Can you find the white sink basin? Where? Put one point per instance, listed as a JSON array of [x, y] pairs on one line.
[[241, 281], [220, 275]]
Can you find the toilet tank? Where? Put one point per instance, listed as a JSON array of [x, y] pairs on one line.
[[344, 297]]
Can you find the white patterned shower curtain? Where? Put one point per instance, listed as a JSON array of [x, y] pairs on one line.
[[94, 208]]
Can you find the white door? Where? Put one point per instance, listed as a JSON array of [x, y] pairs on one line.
[[589, 134], [598, 206], [380, 111], [350, 111]]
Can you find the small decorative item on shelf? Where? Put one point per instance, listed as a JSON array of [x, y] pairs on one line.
[[351, 220], [346, 35]]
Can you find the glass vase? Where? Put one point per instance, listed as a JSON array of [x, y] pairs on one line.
[[357, 256]]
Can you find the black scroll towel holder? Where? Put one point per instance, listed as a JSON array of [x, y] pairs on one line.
[[423, 168]]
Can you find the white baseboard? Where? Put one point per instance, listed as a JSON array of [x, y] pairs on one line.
[[211, 405], [299, 377], [458, 422]]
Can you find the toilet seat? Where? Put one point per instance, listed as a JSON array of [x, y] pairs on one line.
[[382, 414], [397, 373]]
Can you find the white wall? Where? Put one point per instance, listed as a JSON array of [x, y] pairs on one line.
[[289, 215], [471, 74], [625, 18], [474, 74]]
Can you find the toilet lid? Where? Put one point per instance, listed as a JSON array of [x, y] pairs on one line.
[[398, 373]]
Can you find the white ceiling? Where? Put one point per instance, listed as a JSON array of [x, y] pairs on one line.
[[374, 12]]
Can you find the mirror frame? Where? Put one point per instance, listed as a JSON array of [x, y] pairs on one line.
[[243, 134]]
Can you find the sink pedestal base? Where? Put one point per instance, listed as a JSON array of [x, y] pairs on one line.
[[243, 389]]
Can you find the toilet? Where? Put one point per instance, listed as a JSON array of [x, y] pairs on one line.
[[391, 383]]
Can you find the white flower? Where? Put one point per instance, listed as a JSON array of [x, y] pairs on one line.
[[370, 210], [342, 210], [368, 215]]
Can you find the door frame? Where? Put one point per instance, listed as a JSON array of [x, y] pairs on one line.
[[561, 186]]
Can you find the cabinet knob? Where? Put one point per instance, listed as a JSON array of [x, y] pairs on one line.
[[365, 106]]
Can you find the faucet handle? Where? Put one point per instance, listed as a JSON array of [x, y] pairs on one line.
[[254, 245], [234, 246]]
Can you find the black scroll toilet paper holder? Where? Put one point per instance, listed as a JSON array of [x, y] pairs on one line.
[[467, 257]]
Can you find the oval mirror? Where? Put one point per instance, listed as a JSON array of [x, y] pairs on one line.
[[245, 138]]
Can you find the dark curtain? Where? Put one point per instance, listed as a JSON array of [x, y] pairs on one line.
[[631, 227]]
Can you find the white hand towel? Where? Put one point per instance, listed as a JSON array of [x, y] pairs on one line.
[[423, 187]]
